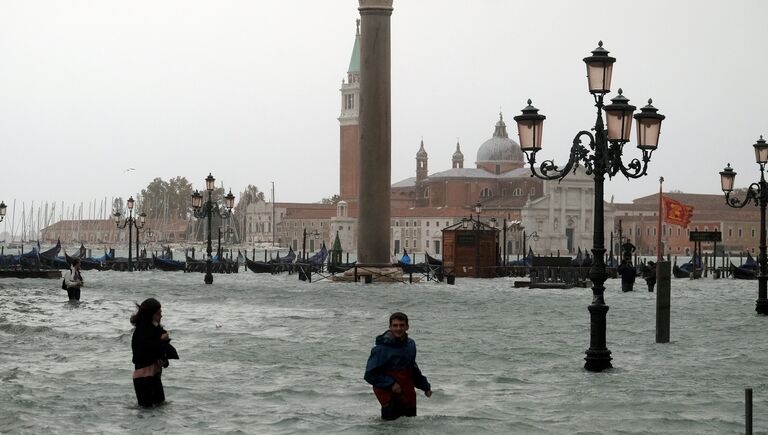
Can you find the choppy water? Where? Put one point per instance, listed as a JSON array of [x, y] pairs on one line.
[[288, 357]]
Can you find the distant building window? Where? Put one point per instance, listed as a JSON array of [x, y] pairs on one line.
[[753, 233], [427, 223], [446, 223], [426, 245], [630, 231], [406, 243], [730, 232], [349, 102], [740, 233], [517, 192], [678, 231], [498, 169], [397, 223], [485, 193], [647, 231], [654, 231], [426, 192]]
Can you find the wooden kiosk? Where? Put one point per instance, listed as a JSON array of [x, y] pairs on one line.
[[471, 249]]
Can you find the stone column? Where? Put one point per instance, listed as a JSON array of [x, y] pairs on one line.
[[375, 134]]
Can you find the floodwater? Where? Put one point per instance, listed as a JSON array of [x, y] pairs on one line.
[[270, 354]]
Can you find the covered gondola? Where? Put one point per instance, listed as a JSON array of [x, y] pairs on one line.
[[167, 265], [738, 272], [262, 266], [85, 263], [684, 271]]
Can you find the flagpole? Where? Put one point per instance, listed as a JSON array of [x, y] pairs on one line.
[[659, 253]]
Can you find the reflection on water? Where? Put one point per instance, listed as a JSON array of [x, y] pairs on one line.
[[271, 354]]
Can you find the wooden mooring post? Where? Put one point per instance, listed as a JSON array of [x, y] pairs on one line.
[[663, 305], [748, 410]]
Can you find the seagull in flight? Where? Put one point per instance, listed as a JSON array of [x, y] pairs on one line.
[[130, 169]]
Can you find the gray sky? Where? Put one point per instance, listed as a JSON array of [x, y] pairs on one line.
[[248, 90]]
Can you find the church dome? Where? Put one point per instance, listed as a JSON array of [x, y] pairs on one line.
[[500, 148]]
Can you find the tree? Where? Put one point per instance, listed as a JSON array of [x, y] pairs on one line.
[[334, 199], [155, 198]]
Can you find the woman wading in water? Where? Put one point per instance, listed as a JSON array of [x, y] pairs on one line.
[[151, 352]]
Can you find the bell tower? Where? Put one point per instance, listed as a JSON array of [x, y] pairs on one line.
[[349, 137], [421, 163]]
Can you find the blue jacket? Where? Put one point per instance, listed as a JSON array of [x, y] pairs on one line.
[[391, 355]]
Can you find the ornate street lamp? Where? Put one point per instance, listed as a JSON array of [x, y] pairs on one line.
[[533, 236], [205, 210], [3, 209], [757, 193], [602, 156], [130, 222]]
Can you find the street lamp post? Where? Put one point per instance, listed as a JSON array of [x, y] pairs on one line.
[[534, 235], [206, 210], [758, 194], [3, 209], [602, 156], [478, 210], [130, 223]]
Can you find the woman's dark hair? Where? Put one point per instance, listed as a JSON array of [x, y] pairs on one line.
[[145, 311], [75, 262]]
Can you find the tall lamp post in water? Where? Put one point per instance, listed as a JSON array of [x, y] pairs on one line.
[[130, 223], [3, 208], [205, 210], [758, 194], [602, 156]]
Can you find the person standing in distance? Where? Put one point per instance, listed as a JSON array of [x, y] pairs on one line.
[[151, 351], [393, 372], [73, 280]]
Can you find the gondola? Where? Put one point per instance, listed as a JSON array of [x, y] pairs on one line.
[[340, 267], [740, 272], [85, 263], [319, 257], [167, 265], [685, 271], [261, 266]]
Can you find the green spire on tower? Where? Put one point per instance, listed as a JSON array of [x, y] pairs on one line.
[[354, 62]]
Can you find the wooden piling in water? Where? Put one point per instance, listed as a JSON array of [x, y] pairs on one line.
[[663, 296], [748, 410]]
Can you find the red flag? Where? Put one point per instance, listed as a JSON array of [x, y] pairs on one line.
[[677, 213]]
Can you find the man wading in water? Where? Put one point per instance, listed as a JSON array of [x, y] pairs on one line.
[[393, 372]]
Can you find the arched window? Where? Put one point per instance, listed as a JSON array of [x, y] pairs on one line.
[[517, 192], [426, 192]]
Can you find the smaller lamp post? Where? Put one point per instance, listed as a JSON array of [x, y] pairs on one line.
[[205, 210], [757, 193], [478, 210], [130, 223], [3, 209], [534, 236]]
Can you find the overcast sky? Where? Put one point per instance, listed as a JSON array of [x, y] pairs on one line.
[[249, 90]]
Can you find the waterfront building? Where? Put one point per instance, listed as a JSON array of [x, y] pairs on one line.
[[740, 228], [104, 231]]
